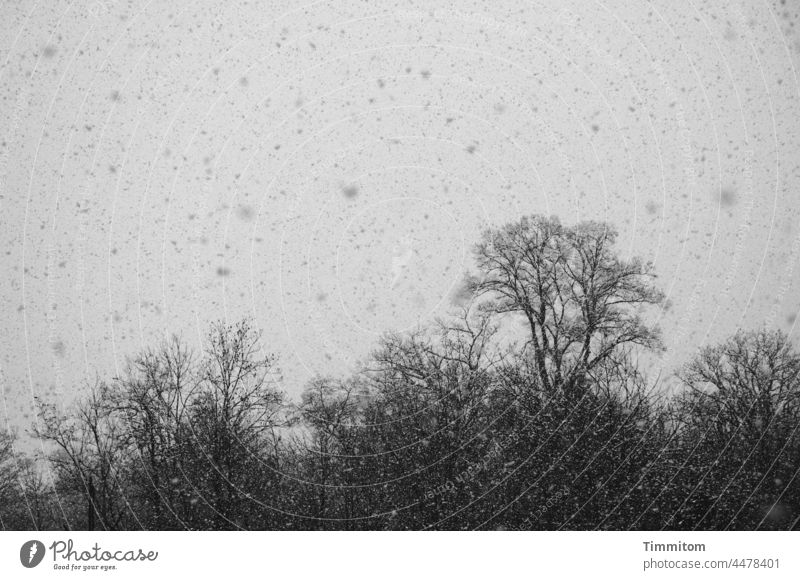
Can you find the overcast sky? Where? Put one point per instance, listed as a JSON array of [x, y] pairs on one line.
[[325, 168]]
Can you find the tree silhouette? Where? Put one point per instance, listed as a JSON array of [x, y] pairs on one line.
[[579, 299], [463, 423]]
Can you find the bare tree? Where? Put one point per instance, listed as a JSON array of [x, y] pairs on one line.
[[750, 381], [580, 300], [740, 419], [8, 464], [90, 457], [235, 418], [330, 409], [26, 501], [152, 398], [10, 472]]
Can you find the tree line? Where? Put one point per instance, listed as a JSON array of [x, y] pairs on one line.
[[526, 408]]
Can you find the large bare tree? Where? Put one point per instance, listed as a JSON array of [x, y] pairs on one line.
[[581, 302]]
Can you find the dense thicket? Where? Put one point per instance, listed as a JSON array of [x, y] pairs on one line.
[[524, 409]]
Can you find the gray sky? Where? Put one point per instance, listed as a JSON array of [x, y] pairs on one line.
[[325, 167]]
